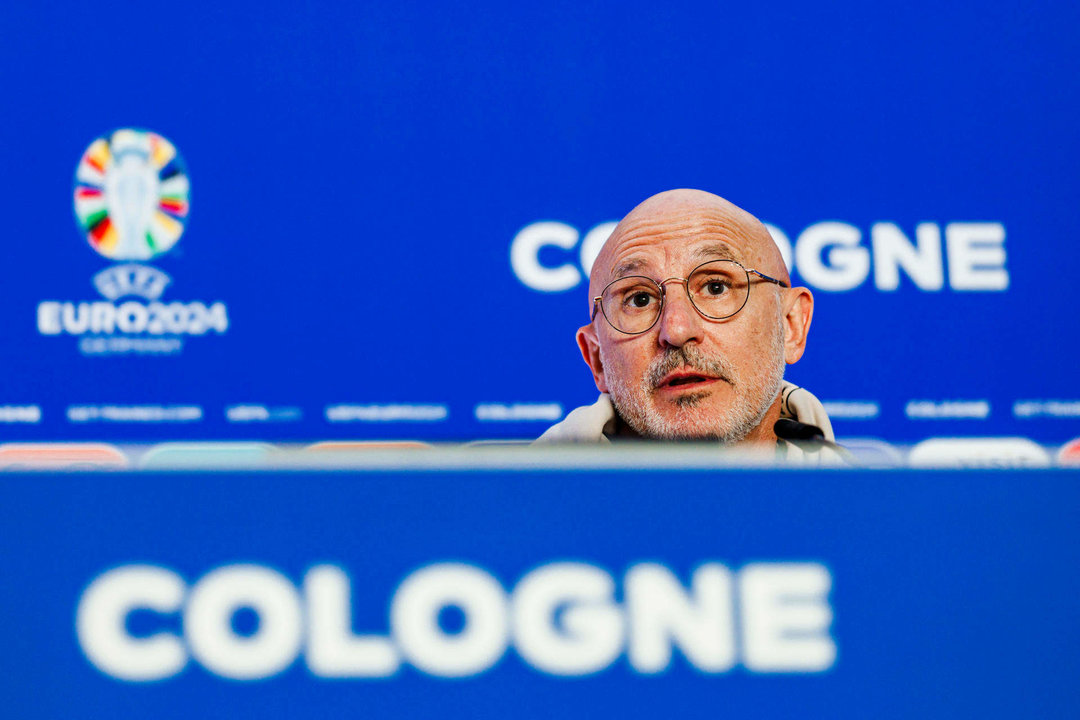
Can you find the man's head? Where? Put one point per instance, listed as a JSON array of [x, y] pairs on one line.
[[690, 376]]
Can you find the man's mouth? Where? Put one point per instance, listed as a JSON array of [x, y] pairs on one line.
[[686, 380]]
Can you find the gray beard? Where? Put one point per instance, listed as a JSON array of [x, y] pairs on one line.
[[753, 396]]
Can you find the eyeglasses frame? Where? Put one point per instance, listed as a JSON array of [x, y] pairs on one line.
[[685, 282]]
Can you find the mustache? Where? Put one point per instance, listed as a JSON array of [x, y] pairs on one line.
[[688, 356]]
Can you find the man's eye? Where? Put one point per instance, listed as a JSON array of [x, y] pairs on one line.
[[639, 300], [715, 287]]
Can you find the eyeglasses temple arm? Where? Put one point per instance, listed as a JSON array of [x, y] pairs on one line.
[[763, 276]]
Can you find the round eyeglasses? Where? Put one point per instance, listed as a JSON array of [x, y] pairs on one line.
[[717, 289]]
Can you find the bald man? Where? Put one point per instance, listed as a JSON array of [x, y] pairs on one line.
[[693, 318]]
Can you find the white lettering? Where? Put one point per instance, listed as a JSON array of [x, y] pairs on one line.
[[565, 619], [662, 613], [922, 262], [852, 409], [827, 255], [525, 256], [102, 615], [131, 317], [1046, 408], [386, 413], [48, 318], [976, 256], [134, 413], [414, 619], [102, 317], [501, 412], [846, 262], [76, 319], [333, 651], [917, 409], [208, 616], [20, 413], [786, 617]]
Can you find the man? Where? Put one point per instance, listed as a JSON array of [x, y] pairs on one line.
[[692, 319]]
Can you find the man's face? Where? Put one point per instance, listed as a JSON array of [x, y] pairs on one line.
[[689, 376]]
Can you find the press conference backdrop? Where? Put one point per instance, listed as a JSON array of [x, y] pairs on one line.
[[375, 220]]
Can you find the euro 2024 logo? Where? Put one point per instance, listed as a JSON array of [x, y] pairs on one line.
[[131, 201]]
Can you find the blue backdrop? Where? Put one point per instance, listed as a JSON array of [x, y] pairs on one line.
[[359, 173]]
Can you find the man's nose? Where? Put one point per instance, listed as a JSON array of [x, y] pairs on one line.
[[679, 322]]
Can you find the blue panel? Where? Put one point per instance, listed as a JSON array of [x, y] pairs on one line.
[[951, 593]]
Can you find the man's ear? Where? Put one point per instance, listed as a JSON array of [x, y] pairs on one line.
[[590, 351], [798, 311]]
